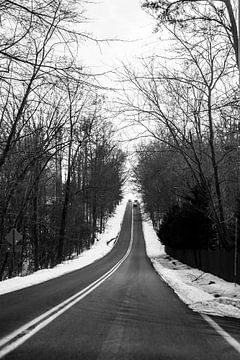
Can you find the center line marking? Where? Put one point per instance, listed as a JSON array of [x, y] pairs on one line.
[[22, 334]]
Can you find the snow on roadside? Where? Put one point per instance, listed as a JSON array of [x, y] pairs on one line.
[[98, 250], [202, 292]]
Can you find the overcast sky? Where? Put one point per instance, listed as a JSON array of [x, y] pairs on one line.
[[117, 19], [120, 20]]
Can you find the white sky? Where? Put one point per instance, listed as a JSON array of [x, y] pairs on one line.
[[133, 29], [120, 20]]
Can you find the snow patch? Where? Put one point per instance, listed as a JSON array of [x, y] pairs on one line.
[[202, 292], [101, 247]]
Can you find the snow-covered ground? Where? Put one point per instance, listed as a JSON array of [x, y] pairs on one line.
[[202, 292], [98, 250]]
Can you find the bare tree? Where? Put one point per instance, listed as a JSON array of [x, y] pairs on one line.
[[195, 16], [181, 108], [30, 56], [77, 132]]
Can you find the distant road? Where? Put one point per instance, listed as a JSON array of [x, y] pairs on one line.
[[115, 308]]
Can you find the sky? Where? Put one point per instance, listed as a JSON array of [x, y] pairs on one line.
[[130, 31], [123, 21]]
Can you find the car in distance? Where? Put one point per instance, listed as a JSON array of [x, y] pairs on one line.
[[135, 203]]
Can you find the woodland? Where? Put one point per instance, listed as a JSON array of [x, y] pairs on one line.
[[61, 167], [61, 172], [187, 104]]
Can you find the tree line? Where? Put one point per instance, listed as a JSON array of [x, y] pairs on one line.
[[186, 100], [61, 172]]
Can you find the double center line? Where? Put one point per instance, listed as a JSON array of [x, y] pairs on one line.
[[23, 333]]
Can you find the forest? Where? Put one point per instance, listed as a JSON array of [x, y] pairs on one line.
[[186, 100], [61, 166], [61, 171]]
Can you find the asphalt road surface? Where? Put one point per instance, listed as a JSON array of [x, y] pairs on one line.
[[115, 308]]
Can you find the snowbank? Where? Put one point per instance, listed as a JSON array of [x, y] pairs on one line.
[[202, 292], [98, 250]]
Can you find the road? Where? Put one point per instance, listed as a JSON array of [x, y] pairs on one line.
[[128, 314]]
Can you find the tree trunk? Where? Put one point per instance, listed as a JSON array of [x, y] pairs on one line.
[[221, 219], [61, 238], [35, 228]]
